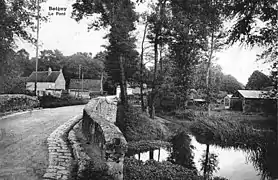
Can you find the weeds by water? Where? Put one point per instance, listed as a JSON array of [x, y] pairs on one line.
[[260, 144]]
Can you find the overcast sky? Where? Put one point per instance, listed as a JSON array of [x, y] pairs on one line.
[[68, 36]]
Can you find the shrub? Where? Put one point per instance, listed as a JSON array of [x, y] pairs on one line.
[[15, 102], [52, 102], [153, 170], [95, 170]]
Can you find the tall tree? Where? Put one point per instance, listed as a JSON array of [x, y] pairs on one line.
[[258, 81], [120, 16], [158, 20], [15, 18]]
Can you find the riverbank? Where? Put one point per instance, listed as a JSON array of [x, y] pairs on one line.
[[252, 133]]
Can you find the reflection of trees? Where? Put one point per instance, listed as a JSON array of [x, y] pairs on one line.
[[265, 160], [260, 146], [182, 151], [209, 163]]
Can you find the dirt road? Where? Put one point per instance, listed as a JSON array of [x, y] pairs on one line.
[[23, 148]]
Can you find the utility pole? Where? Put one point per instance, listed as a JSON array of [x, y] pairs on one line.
[[79, 74], [37, 44], [82, 83]]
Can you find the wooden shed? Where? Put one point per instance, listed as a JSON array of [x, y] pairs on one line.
[[253, 101]]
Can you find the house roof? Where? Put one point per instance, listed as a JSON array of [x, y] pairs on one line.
[[229, 95], [88, 84], [252, 93], [43, 76]]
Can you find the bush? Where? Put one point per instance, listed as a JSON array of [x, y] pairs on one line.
[[95, 170], [15, 102], [52, 102], [153, 170]]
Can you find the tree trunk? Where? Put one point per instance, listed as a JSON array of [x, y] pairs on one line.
[[158, 27], [151, 154], [141, 70], [208, 98], [153, 93], [206, 163], [158, 155], [123, 95], [2, 78], [160, 57], [208, 74]]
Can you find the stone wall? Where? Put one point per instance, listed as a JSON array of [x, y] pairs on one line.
[[67, 157], [99, 129], [61, 160]]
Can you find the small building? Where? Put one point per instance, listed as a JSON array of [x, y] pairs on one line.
[[85, 87], [48, 82], [253, 101], [227, 101]]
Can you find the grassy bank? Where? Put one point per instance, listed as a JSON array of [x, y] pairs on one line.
[[137, 126]]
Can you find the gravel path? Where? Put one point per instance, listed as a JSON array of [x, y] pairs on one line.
[[23, 148]]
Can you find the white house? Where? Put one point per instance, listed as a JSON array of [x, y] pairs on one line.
[[48, 82]]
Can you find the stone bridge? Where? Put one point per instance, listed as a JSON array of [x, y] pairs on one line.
[[74, 144]]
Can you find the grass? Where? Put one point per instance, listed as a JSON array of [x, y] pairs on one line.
[[137, 126]]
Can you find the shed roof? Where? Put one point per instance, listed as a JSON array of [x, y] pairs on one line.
[[255, 94], [88, 84], [43, 76]]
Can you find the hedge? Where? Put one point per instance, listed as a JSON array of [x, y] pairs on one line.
[[52, 102], [16, 102]]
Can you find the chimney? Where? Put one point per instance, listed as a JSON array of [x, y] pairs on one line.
[[49, 71]]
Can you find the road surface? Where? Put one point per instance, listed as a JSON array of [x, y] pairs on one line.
[[23, 148]]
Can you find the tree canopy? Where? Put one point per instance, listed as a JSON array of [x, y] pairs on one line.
[[258, 81]]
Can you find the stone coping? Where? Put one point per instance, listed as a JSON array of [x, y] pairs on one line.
[[61, 161]]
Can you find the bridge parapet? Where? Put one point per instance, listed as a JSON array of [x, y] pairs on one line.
[[98, 127]]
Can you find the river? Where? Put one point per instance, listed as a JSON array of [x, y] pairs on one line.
[[233, 163]]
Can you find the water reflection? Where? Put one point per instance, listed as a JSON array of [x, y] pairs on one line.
[[233, 163], [159, 155]]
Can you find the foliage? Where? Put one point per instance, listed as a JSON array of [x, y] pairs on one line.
[[256, 24], [248, 13], [95, 170], [52, 102], [230, 84], [15, 18], [219, 81], [258, 81], [225, 131], [146, 145], [153, 170], [16, 66], [212, 165], [182, 151], [229, 132], [17, 102], [136, 125], [183, 114], [121, 61]]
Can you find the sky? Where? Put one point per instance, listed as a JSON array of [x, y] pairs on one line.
[[65, 34]]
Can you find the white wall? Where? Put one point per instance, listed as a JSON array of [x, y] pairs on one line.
[[60, 82], [41, 86], [118, 91]]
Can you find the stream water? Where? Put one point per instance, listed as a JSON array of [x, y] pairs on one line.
[[233, 163]]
